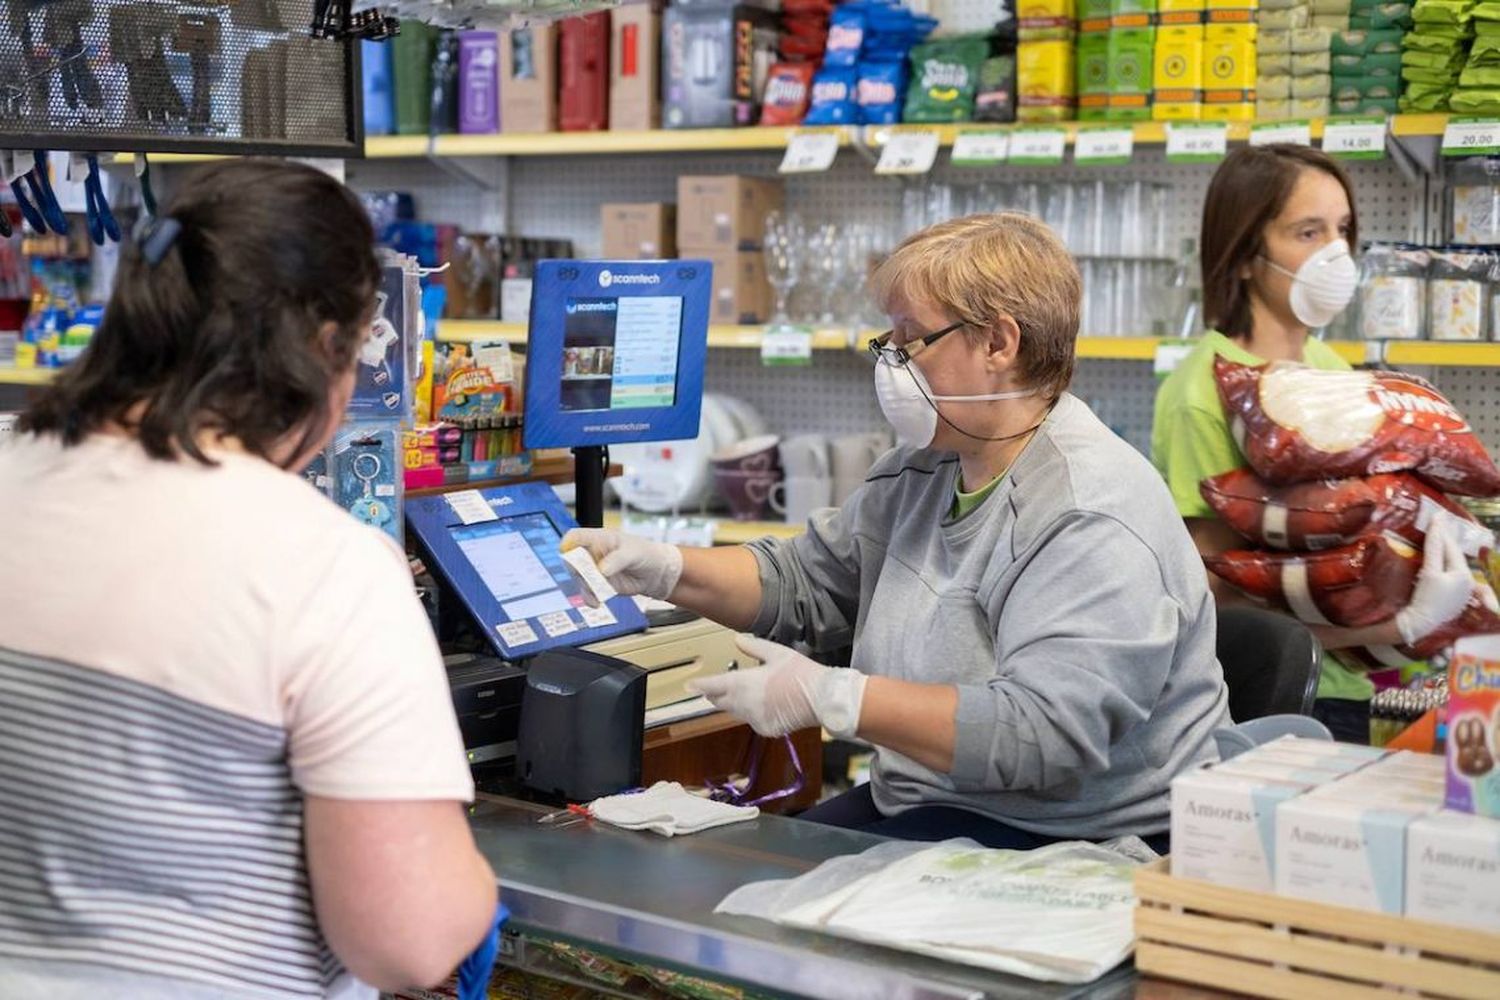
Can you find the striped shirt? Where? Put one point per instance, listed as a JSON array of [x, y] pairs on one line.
[[186, 652]]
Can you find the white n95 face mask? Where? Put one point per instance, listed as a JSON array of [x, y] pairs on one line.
[[1323, 285], [909, 405]]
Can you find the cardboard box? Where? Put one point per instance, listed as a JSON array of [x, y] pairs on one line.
[[1453, 870], [724, 211], [638, 230], [1474, 726], [1228, 64], [478, 82], [713, 60], [1130, 53], [1223, 827], [635, 67], [1093, 76], [583, 72], [528, 79], [742, 295], [1177, 73]]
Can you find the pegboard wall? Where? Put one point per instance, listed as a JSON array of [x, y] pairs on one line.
[[560, 197]]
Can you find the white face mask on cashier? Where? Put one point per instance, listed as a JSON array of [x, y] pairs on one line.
[[911, 407], [1323, 286]]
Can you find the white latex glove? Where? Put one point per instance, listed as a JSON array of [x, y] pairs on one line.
[[632, 565], [1444, 586], [789, 692]]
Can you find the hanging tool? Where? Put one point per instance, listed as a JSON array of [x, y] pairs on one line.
[[14, 171], [39, 179], [101, 220]]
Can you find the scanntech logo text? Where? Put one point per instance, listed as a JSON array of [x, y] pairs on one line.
[[607, 278]]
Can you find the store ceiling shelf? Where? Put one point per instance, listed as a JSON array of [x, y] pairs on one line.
[[26, 376]]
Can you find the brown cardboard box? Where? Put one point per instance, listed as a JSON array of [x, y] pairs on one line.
[[528, 79], [638, 230], [635, 66], [724, 211], [742, 295]]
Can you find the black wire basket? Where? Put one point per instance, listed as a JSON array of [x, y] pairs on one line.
[[232, 76]]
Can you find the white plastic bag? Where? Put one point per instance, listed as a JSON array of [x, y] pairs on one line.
[[1060, 913]]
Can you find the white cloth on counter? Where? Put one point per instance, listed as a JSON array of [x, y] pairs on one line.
[[1061, 913], [668, 809]]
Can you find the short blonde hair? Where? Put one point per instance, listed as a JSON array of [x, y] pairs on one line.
[[983, 267]]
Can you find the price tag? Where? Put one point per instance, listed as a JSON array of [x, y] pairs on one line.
[[1037, 147], [470, 506], [810, 152], [1106, 145], [908, 151], [786, 345], [1197, 142], [517, 634], [597, 617], [557, 624], [980, 149], [1297, 133], [1170, 354], [1355, 138], [1471, 137]]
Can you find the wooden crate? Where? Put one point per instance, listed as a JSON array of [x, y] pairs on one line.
[[1274, 946]]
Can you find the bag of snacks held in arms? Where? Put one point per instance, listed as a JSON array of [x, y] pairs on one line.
[[1294, 424], [1329, 512]]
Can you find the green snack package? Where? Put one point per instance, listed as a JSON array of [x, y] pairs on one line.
[[1442, 77], [1391, 15], [1417, 41], [1487, 29], [1479, 77], [1475, 102], [944, 79], [1346, 105], [1485, 52], [1360, 43], [1432, 60], [995, 101], [1092, 70], [1442, 11]]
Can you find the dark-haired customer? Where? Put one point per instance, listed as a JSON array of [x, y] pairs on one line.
[[228, 758], [1279, 226]]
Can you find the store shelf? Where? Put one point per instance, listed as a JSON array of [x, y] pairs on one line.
[[731, 532], [747, 337], [585, 143], [1118, 348], [1432, 352], [26, 376], [1352, 351], [544, 470], [1155, 133]]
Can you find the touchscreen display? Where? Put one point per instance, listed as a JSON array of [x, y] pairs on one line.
[[517, 558], [620, 353]]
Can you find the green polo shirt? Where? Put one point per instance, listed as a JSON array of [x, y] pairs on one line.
[[1190, 441]]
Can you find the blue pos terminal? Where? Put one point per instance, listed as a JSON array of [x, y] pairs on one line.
[[614, 354]]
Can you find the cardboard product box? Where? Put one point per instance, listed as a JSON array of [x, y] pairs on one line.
[[1453, 870], [478, 82], [635, 67], [411, 64], [528, 79], [1244, 112], [583, 72], [1474, 726], [724, 211], [742, 295], [1228, 64], [1093, 76], [1177, 73], [713, 64], [1045, 81], [1130, 55], [1132, 13], [638, 230]]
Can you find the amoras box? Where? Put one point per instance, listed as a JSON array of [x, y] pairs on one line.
[[1224, 826]]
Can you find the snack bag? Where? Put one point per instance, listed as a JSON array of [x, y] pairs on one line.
[[1474, 726], [833, 97], [788, 93], [1296, 424], [945, 77], [879, 92], [1331, 512]]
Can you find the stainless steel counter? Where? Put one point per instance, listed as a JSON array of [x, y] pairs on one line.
[[649, 897]]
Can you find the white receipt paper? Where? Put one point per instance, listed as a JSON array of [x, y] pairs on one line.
[[517, 634], [588, 571], [470, 507]]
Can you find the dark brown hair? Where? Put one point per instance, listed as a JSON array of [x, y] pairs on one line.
[[1250, 188], [221, 335]]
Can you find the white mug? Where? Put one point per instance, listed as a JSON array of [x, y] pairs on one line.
[[806, 455], [852, 455], [796, 497]]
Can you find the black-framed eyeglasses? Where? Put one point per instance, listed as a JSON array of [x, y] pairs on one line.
[[896, 357]]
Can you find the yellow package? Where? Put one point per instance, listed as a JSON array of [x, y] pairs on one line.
[[1044, 81], [1311, 107], [1273, 62], [1285, 20], [1274, 87], [1047, 9], [1229, 69], [1244, 111], [1270, 109], [1177, 73]]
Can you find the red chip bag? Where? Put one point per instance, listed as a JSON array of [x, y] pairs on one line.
[[1352, 585], [1295, 424], [1475, 620], [1330, 512], [788, 89]]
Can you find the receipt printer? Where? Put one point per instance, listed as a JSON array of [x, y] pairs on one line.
[[582, 725]]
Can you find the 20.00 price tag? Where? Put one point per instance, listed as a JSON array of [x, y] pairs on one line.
[[1471, 137], [810, 152], [1197, 142], [980, 149], [908, 151]]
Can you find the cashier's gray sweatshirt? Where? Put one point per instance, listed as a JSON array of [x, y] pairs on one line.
[[1070, 610]]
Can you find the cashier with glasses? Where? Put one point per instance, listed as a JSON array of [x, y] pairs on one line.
[[1032, 632]]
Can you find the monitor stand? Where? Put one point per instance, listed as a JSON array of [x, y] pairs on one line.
[[590, 463]]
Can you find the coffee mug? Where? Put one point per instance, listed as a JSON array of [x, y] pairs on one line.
[[756, 454], [852, 455], [748, 493], [806, 455], [796, 497]]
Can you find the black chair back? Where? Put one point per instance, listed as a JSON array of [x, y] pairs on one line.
[[1271, 663]]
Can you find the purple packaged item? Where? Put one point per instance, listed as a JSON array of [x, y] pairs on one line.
[[478, 82]]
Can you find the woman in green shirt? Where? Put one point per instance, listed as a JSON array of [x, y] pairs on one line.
[[1278, 224]]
